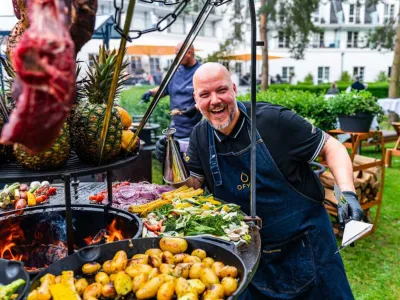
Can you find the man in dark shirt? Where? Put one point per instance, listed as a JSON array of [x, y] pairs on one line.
[[357, 85], [298, 259], [180, 89]]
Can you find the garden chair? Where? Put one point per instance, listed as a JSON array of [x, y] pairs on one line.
[[396, 150]]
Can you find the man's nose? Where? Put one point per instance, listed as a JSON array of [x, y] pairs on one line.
[[215, 99]]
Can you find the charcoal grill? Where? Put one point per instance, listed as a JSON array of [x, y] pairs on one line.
[[87, 220]]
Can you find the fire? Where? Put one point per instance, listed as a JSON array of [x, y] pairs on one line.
[[110, 234], [9, 237]]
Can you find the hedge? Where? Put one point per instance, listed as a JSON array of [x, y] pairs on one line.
[[379, 90], [309, 105]]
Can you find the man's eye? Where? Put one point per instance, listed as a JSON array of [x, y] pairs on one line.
[[204, 95], [222, 91]]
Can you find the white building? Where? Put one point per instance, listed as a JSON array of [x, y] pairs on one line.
[[340, 47], [342, 44]]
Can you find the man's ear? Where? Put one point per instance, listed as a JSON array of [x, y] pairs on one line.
[[234, 87]]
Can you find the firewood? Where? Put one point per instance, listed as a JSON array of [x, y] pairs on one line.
[[327, 179], [330, 196]]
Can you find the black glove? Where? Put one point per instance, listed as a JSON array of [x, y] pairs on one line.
[[161, 148], [146, 97], [349, 208]]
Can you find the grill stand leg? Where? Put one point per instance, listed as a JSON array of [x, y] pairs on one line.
[[68, 214]]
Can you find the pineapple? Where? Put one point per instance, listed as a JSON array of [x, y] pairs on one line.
[[89, 115], [6, 151], [53, 158]]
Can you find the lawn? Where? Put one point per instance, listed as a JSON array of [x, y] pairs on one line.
[[373, 264]]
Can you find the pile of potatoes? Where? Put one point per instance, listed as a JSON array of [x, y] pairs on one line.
[[164, 273]]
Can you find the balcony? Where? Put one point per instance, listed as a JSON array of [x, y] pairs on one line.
[[325, 45]]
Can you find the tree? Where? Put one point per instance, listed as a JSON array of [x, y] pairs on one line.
[[292, 20], [388, 37]]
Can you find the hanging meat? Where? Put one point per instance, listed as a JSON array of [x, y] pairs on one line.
[[44, 61], [21, 12], [83, 19]]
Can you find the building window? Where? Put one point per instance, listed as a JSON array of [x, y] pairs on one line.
[[323, 75], [136, 64], [318, 40], [226, 64], [287, 73], [238, 68], [388, 15], [355, 14], [352, 39], [315, 16], [283, 41], [154, 64], [359, 71]]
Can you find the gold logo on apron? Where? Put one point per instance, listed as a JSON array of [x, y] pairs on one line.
[[244, 178]]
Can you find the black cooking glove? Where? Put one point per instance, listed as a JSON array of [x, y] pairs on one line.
[[349, 208], [161, 149], [146, 97]]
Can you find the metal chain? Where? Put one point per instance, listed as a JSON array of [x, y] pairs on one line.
[[163, 24]]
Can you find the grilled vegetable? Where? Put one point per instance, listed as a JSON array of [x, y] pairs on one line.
[[108, 291], [90, 268], [208, 277], [93, 290], [229, 271], [123, 283], [119, 262], [197, 285], [149, 289], [8, 290], [102, 278], [139, 280], [61, 292], [166, 291], [200, 253], [80, 286], [182, 287], [215, 291], [31, 199], [174, 245], [230, 285]]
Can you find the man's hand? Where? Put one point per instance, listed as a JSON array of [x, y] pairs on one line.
[[349, 208], [175, 112], [161, 149], [146, 97]]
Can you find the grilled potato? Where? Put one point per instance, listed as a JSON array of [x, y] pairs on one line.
[[200, 253], [180, 257], [149, 289], [92, 291], [107, 267], [189, 296], [174, 245], [197, 285], [217, 267], [134, 270], [108, 291], [208, 261], [155, 261], [192, 259], [119, 262], [229, 271], [102, 278], [215, 291], [139, 280], [90, 268], [154, 251], [166, 269], [80, 286], [154, 273], [208, 277], [195, 270], [166, 291], [182, 287], [123, 283], [230, 285], [168, 258]]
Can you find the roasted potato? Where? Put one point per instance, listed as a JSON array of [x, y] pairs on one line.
[[119, 262], [134, 270], [191, 259], [182, 270], [180, 257], [195, 270], [174, 245], [197, 285], [58, 279], [92, 291], [139, 280], [149, 289], [80, 286], [90, 268], [123, 283], [168, 258], [215, 291], [139, 259], [200, 253], [208, 277], [166, 291], [217, 267], [229, 271], [189, 296], [208, 261], [33, 295], [107, 267], [154, 273], [182, 287], [108, 291], [230, 285], [102, 278], [154, 251], [166, 277], [43, 292], [112, 277], [155, 261], [166, 269]]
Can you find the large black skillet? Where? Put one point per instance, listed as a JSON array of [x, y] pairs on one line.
[[217, 249]]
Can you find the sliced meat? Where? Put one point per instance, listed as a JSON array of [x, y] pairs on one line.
[[44, 61]]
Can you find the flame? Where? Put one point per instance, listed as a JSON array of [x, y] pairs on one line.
[[110, 234], [9, 238]]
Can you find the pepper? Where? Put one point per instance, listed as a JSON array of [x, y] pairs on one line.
[[41, 198], [151, 227], [31, 199]]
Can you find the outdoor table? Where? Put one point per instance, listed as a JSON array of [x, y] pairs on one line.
[[146, 133], [389, 104]]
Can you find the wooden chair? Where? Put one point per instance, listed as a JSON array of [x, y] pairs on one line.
[[396, 150]]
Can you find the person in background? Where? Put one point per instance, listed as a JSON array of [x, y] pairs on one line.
[[157, 76], [180, 89], [278, 79], [333, 90], [357, 85]]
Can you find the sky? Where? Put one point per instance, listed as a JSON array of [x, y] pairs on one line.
[[6, 8]]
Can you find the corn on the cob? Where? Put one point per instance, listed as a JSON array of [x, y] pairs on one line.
[[191, 194], [172, 196], [181, 189], [142, 207], [61, 292], [154, 206]]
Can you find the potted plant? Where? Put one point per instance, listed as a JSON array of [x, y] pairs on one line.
[[355, 110]]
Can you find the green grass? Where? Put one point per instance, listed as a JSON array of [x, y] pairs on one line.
[[372, 266]]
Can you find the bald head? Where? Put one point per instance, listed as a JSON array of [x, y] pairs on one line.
[[189, 59], [211, 71]]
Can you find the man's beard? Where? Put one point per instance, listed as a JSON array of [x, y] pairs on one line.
[[225, 125]]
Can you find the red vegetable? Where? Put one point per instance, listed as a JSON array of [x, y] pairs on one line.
[[23, 187], [21, 203], [51, 191], [23, 195], [151, 227], [41, 198]]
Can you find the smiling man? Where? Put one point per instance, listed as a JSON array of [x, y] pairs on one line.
[[298, 259]]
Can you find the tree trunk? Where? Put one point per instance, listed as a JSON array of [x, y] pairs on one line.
[[395, 73], [263, 37]]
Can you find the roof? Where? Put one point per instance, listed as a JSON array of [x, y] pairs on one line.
[[6, 24], [101, 25]]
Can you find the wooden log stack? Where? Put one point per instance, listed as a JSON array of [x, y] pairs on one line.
[[366, 183]]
